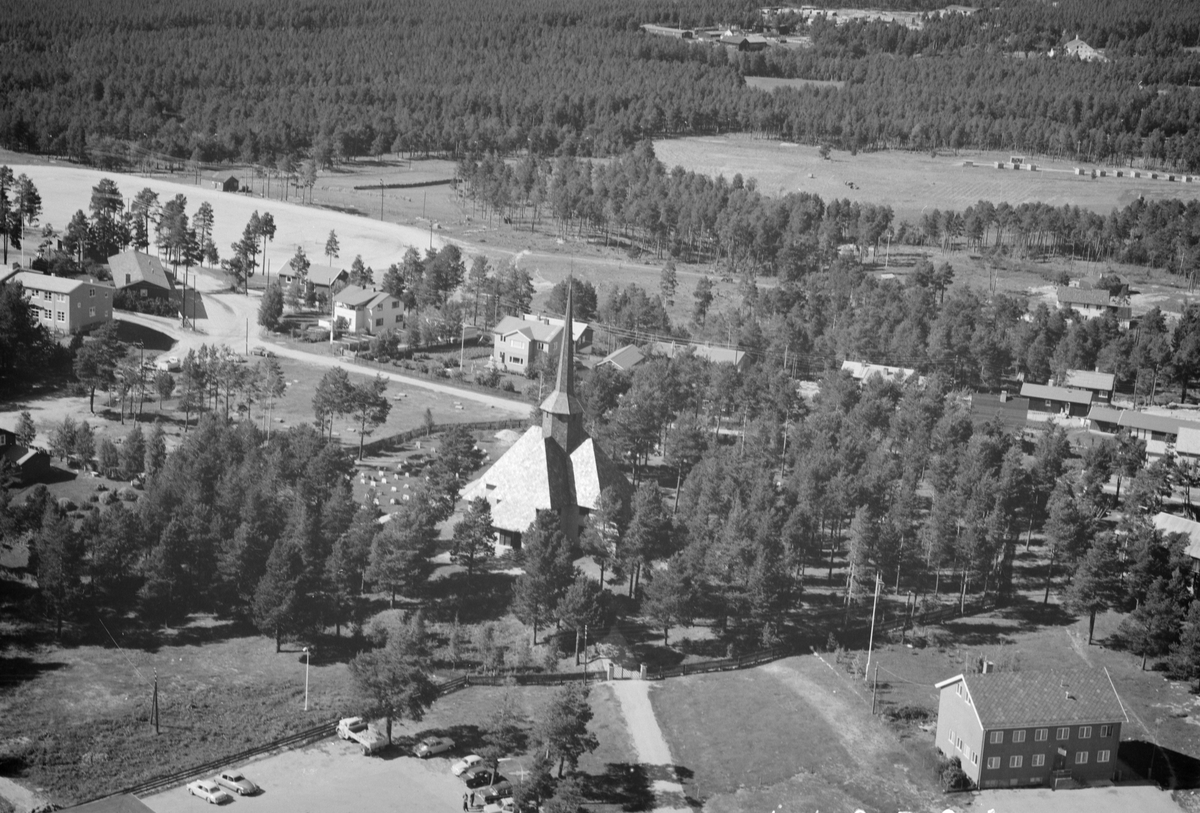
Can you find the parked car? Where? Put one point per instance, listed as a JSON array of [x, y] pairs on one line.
[[209, 791], [171, 364], [433, 745], [503, 805], [237, 782], [483, 778], [259, 350], [465, 764]]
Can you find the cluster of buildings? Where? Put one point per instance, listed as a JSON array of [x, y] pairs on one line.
[[66, 305]]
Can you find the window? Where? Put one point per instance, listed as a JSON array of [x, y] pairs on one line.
[[1040, 735], [62, 317], [1081, 757], [958, 690], [996, 737], [91, 291], [1102, 756], [967, 750], [47, 314], [1019, 736], [378, 322], [395, 303], [951, 737], [1039, 760], [993, 763], [1015, 762], [399, 318], [518, 344], [975, 758], [1063, 733], [144, 293], [92, 311], [515, 360], [126, 279], [1106, 731], [1085, 732], [958, 743]]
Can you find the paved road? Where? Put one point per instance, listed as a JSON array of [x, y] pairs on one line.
[[648, 740], [334, 777]]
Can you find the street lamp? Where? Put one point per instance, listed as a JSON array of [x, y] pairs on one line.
[[307, 657]]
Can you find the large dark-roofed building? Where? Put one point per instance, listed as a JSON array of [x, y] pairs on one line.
[[1031, 728]]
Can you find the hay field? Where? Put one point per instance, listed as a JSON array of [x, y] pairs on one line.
[[908, 181]]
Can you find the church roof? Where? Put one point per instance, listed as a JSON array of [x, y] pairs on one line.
[[533, 475], [595, 471]]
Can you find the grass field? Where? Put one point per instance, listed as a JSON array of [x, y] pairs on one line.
[[790, 731], [907, 181]]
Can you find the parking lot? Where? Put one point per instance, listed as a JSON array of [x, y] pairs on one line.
[[334, 777]]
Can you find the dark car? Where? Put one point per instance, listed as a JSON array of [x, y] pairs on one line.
[[481, 779]]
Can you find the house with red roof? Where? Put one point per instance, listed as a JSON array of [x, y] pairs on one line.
[[1013, 729]]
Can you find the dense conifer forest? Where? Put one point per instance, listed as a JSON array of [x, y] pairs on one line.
[[270, 79]]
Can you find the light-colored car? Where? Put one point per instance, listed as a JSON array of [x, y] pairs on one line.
[[465, 764], [259, 350], [171, 364], [431, 746], [237, 782], [505, 805], [209, 791]]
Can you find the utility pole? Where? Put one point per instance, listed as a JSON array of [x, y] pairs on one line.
[[871, 639], [154, 706]]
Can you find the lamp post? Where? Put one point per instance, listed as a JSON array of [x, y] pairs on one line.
[[307, 658]]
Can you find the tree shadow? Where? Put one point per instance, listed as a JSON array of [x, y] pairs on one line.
[[622, 785], [151, 338], [487, 597], [1168, 768], [17, 669]]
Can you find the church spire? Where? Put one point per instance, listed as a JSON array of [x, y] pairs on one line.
[[562, 415]]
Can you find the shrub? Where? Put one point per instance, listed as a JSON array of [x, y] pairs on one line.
[[67, 504], [951, 774], [507, 386], [128, 494], [912, 714], [108, 498], [93, 498]]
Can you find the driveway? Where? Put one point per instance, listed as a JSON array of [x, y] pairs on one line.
[[648, 740], [333, 776]]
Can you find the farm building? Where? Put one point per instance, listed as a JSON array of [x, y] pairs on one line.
[[708, 352], [230, 184], [1079, 49], [555, 467], [367, 311], [1012, 412], [665, 31], [1057, 400], [1015, 729], [1089, 303], [1103, 385], [66, 305], [520, 340], [141, 275], [1158, 431], [744, 42], [626, 358]]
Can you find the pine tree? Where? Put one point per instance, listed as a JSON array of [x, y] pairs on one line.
[[549, 571], [133, 453], [560, 729], [401, 551], [156, 450], [278, 597], [1096, 585], [473, 535]]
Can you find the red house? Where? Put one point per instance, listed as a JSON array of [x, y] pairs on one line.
[[1031, 728]]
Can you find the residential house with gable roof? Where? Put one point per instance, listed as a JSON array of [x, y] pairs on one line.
[[318, 279], [141, 275], [519, 341], [367, 311], [708, 352], [1095, 302], [553, 467], [1061, 400], [1103, 385], [624, 358], [1012, 729], [64, 304]]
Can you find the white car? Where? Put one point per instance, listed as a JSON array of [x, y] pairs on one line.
[[465, 764], [170, 364], [433, 745], [237, 782], [505, 805], [209, 791]]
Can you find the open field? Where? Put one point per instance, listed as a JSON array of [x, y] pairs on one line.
[[789, 731], [66, 188], [907, 181], [771, 82]]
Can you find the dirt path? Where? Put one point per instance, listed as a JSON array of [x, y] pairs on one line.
[[21, 798], [648, 740]]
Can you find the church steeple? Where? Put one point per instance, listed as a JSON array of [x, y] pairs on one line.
[[562, 415]]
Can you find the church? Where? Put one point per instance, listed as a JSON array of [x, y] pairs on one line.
[[555, 466]]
